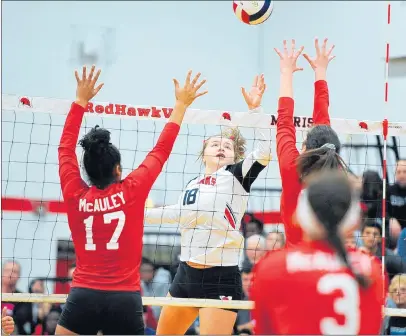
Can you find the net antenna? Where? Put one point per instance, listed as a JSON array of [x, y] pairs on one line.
[[384, 163]]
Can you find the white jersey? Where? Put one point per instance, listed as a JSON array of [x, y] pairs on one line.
[[210, 209]]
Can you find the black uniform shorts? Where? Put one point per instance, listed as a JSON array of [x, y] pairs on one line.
[[219, 283], [88, 311]]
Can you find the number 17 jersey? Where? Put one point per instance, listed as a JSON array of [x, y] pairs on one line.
[[107, 224]]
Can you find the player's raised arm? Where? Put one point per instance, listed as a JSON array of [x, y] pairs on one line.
[[248, 169], [321, 96], [69, 173], [286, 133], [286, 138], [151, 167]]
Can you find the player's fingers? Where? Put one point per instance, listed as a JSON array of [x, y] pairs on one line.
[[299, 69], [330, 50], [331, 58], [96, 78], [194, 81], [255, 82], [311, 62], [316, 45], [201, 94], [261, 80], [324, 46], [285, 47], [176, 83], [307, 57], [4, 312], [299, 52], [245, 94], [293, 46], [187, 81], [278, 52], [77, 76], [200, 85], [262, 90], [84, 73], [96, 90], [91, 73]]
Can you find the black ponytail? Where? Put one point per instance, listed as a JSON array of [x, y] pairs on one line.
[[336, 242], [100, 157], [325, 157], [330, 197]]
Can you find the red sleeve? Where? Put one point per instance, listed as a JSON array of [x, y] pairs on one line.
[[321, 103], [287, 157], [146, 174], [69, 173]]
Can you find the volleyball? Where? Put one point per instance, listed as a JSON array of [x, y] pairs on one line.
[[253, 12]]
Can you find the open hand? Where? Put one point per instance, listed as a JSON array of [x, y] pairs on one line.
[[86, 86], [188, 93], [288, 58], [323, 56], [7, 322], [253, 98]]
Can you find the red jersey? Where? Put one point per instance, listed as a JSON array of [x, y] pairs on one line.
[[288, 154], [306, 289], [107, 225]]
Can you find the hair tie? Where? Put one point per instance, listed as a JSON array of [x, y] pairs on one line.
[[232, 137], [329, 146]]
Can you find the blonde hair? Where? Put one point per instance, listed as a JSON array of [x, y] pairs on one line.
[[238, 143], [397, 281]]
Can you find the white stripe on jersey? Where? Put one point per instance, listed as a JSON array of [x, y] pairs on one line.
[[210, 209]]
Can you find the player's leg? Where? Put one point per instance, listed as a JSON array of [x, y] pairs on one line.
[[215, 321], [123, 314], [220, 283], [177, 320], [63, 331], [80, 315]]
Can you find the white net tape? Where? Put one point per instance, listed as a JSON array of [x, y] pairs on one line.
[[31, 129], [165, 301]]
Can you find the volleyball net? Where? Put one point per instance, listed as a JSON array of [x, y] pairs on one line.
[[35, 232]]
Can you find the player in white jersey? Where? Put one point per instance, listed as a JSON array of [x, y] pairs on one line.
[[209, 213]]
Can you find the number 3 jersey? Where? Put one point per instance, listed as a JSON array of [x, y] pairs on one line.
[[107, 224], [307, 290], [210, 209]]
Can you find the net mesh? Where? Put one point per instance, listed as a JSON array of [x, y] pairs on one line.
[[34, 226]]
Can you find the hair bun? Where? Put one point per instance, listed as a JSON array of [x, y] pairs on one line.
[[96, 141]]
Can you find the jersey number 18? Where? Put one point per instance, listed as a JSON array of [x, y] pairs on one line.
[[190, 196]]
